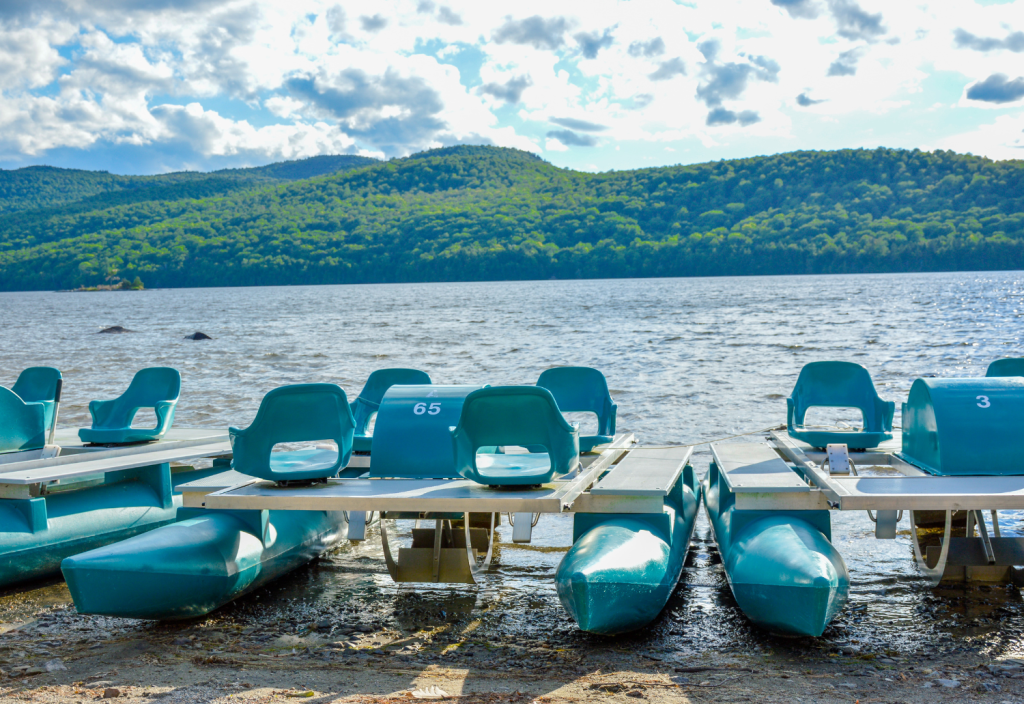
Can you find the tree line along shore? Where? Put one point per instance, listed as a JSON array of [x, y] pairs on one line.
[[489, 213]]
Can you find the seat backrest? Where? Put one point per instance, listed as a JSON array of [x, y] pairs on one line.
[[1009, 366], [38, 384], [22, 425], [581, 390], [512, 415], [834, 384], [381, 380], [149, 387], [295, 413], [153, 385], [376, 386]]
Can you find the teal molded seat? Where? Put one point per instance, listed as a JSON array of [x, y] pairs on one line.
[[839, 385], [296, 413], [1009, 366], [525, 416], [368, 401], [583, 390], [157, 388], [41, 385], [22, 425]]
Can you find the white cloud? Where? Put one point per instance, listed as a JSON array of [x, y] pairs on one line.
[[1001, 139], [222, 77]]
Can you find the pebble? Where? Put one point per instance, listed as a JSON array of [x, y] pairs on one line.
[[989, 687], [948, 683], [111, 693]]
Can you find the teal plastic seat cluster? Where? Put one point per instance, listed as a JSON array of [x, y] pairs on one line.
[[368, 401], [41, 385], [583, 390], [157, 388], [1009, 366], [839, 385], [296, 413], [525, 416]]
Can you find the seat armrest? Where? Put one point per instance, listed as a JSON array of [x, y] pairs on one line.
[[100, 411], [236, 438], [887, 409], [790, 413], [375, 406], [164, 411], [463, 452]]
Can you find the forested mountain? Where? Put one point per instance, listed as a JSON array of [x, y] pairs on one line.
[[470, 213], [46, 186]]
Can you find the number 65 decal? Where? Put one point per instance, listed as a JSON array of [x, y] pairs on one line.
[[421, 408], [983, 402]]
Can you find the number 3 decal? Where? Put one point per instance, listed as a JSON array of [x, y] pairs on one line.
[[983, 402]]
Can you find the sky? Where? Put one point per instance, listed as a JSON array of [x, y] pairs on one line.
[[151, 86]]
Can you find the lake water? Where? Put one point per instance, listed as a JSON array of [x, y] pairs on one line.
[[687, 360]]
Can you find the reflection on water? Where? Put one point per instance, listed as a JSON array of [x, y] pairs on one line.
[[687, 360]]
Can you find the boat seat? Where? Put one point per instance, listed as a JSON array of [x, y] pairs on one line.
[[839, 385], [41, 385], [525, 416], [22, 425], [583, 390], [296, 413], [155, 387], [1008, 366], [368, 401]]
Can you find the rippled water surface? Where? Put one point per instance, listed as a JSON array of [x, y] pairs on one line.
[[687, 360]]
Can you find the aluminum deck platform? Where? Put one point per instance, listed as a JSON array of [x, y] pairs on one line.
[[22, 477], [424, 495]]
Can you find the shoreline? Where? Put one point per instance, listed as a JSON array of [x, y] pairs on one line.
[[477, 644]]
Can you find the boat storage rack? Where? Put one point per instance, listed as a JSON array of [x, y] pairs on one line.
[[617, 478]]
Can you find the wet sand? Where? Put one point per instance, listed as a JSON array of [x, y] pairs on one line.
[[378, 642]]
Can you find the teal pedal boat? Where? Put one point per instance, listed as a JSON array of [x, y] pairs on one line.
[[623, 567], [210, 557], [783, 570], [37, 532], [199, 563]]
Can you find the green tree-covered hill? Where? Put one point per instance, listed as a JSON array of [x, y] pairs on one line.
[[469, 213], [46, 186]]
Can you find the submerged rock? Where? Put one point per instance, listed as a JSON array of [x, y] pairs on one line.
[[114, 330], [198, 336]]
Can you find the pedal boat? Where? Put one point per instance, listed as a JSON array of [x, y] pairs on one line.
[[622, 568], [782, 568], [202, 561]]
